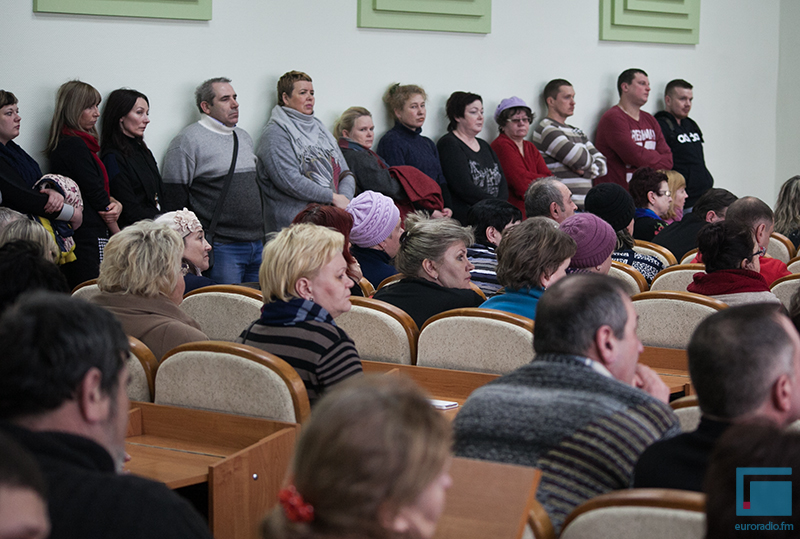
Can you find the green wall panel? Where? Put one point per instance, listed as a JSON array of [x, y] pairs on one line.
[[159, 9], [653, 21], [471, 16]]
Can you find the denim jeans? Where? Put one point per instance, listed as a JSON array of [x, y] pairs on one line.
[[236, 263]]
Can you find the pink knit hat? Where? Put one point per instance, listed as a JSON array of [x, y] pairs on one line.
[[595, 238], [374, 218]]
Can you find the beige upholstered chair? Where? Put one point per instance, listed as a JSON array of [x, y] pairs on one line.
[[232, 378], [668, 318], [479, 340], [637, 513], [661, 253], [366, 287], [142, 366], [223, 311], [381, 332], [689, 256], [676, 278], [781, 247], [633, 281], [86, 290], [785, 288], [794, 265], [688, 411]]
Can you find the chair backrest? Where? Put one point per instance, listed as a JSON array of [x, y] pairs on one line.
[[785, 288], [480, 340], [676, 277], [366, 287], [223, 311], [661, 253], [689, 256], [381, 331], [232, 378], [688, 411], [636, 513], [794, 265], [668, 318], [142, 365], [781, 247], [86, 290], [392, 279], [633, 281]]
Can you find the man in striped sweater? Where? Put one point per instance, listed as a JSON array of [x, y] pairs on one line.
[[566, 149], [583, 410]]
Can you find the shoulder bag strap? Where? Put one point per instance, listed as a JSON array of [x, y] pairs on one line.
[[218, 209]]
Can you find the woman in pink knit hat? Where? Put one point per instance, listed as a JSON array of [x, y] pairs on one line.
[[375, 235]]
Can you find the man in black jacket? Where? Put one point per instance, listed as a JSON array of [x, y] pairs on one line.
[[685, 139], [63, 397]]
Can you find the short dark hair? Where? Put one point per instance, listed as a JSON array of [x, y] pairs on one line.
[[677, 83], [18, 469], [286, 83], [119, 103], [746, 445], [506, 115], [457, 104], [49, 343], [572, 310], [24, 269], [750, 212], [552, 88], [735, 355], [540, 194], [530, 251], [723, 245], [205, 92], [491, 212], [7, 98], [643, 181], [627, 76], [716, 200]]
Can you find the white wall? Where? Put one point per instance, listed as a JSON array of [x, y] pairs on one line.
[[787, 112], [734, 68]]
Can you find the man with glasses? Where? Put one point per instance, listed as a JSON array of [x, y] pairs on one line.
[[566, 149], [629, 137]]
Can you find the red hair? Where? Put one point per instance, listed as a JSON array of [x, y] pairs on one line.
[[329, 217]]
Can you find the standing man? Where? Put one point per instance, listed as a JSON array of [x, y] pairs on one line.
[[629, 137], [566, 149], [210, 168], [684, 139]]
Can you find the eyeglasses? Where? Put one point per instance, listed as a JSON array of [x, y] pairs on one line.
[[520, 121], [664, 193], [760, 252]]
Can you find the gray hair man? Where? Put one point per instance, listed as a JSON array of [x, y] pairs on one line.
[[549, 197]]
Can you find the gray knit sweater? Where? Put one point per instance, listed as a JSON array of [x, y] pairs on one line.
[[583, 429], [195, 167]]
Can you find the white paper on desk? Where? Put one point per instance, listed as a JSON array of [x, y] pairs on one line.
[[443, 405]]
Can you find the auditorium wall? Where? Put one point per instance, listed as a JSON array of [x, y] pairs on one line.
[[742, 68]]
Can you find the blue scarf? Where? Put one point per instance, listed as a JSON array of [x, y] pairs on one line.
[[292, 312], [647, 212], [23, 163]]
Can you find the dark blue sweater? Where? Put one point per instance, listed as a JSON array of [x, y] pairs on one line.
[[375, 265], [402, 146]]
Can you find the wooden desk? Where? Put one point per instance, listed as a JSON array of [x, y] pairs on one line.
[[243, 459], [487, 499], [672, 365]]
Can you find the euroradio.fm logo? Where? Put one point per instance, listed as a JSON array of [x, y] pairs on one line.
[[763, 492]]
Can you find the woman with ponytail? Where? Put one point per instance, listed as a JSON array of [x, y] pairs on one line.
[[372, 462], [731, 256], [73, 151]]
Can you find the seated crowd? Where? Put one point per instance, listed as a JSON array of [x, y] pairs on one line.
[[311, 218]]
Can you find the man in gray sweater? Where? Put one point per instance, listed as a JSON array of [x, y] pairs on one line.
[[583, 410], [195, 169]]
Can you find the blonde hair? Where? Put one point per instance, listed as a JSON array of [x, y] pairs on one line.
[[72, 99], [397, 95], [370, 448], [142, 260], [296, 251], [427, 238], [675, 181], [34, 232], [787, 207], [348, 119]]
